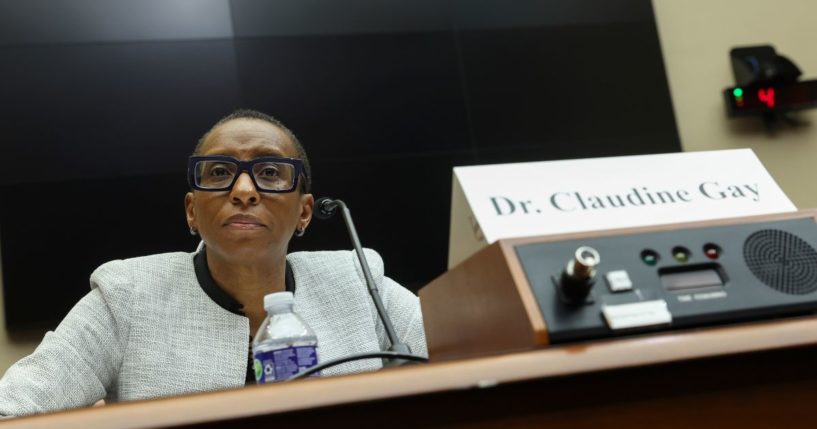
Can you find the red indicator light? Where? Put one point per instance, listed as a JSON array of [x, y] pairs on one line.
[[766, 96], [712, 251]]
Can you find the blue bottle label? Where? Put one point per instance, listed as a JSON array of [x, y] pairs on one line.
[[277, 365]]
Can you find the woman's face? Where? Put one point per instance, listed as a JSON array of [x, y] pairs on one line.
[[243, 224]]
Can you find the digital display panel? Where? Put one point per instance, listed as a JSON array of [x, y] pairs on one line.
[[769, 98]]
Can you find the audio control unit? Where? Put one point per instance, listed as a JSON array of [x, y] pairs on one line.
[[525, 293], [688, 277]]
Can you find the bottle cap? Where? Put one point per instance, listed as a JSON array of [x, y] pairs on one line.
[[278, 299]]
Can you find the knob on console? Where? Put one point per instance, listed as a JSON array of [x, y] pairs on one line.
[[579, 275]]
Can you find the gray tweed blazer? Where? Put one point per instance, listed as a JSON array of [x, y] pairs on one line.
[[148, 330]]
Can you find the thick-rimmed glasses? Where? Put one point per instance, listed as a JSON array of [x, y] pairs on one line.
[[219, 173]]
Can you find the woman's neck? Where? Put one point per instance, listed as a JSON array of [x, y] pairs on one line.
[[248, 283]]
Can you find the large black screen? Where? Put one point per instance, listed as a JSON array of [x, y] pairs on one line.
[[102, 105]]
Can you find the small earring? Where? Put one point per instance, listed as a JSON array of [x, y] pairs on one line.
[[300, 232], [193, 231]]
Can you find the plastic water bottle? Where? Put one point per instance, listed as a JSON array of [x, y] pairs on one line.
[[284, 344]]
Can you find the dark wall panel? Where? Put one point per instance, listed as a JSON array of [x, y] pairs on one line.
[[386, 96], [352, 96], [593, 85], [94, 142], [99, 110]]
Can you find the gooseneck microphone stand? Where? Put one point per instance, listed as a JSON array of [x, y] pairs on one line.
[[398, 353]]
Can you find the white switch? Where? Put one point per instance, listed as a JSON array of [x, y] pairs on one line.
[[619, 281], [637, 314]]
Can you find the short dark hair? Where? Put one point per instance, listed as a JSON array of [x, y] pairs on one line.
[[306, 184]]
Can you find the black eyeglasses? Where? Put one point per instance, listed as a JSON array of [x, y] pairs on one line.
[[219, 173]]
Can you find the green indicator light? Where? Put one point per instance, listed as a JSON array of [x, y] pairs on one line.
[[649, 257], [737, 92]]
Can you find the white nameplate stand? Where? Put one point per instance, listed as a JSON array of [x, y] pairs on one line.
[[490, 202]]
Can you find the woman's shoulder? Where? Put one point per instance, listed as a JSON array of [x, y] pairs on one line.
[[335, 259], [335, 263], [143, 270]]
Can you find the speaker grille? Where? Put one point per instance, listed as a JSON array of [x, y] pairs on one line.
[[781, 260]]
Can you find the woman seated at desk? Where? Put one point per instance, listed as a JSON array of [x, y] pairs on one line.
[[177, 323]]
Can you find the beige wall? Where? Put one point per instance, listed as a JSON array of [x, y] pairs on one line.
[[696, 36]]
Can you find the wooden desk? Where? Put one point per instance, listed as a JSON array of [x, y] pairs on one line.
[[752, 375]]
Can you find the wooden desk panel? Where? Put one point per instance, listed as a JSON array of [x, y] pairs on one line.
[[759, 374]]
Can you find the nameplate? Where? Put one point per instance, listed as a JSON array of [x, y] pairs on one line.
[[490, 202]]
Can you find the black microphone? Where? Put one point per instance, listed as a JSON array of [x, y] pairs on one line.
[[324, 209]]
